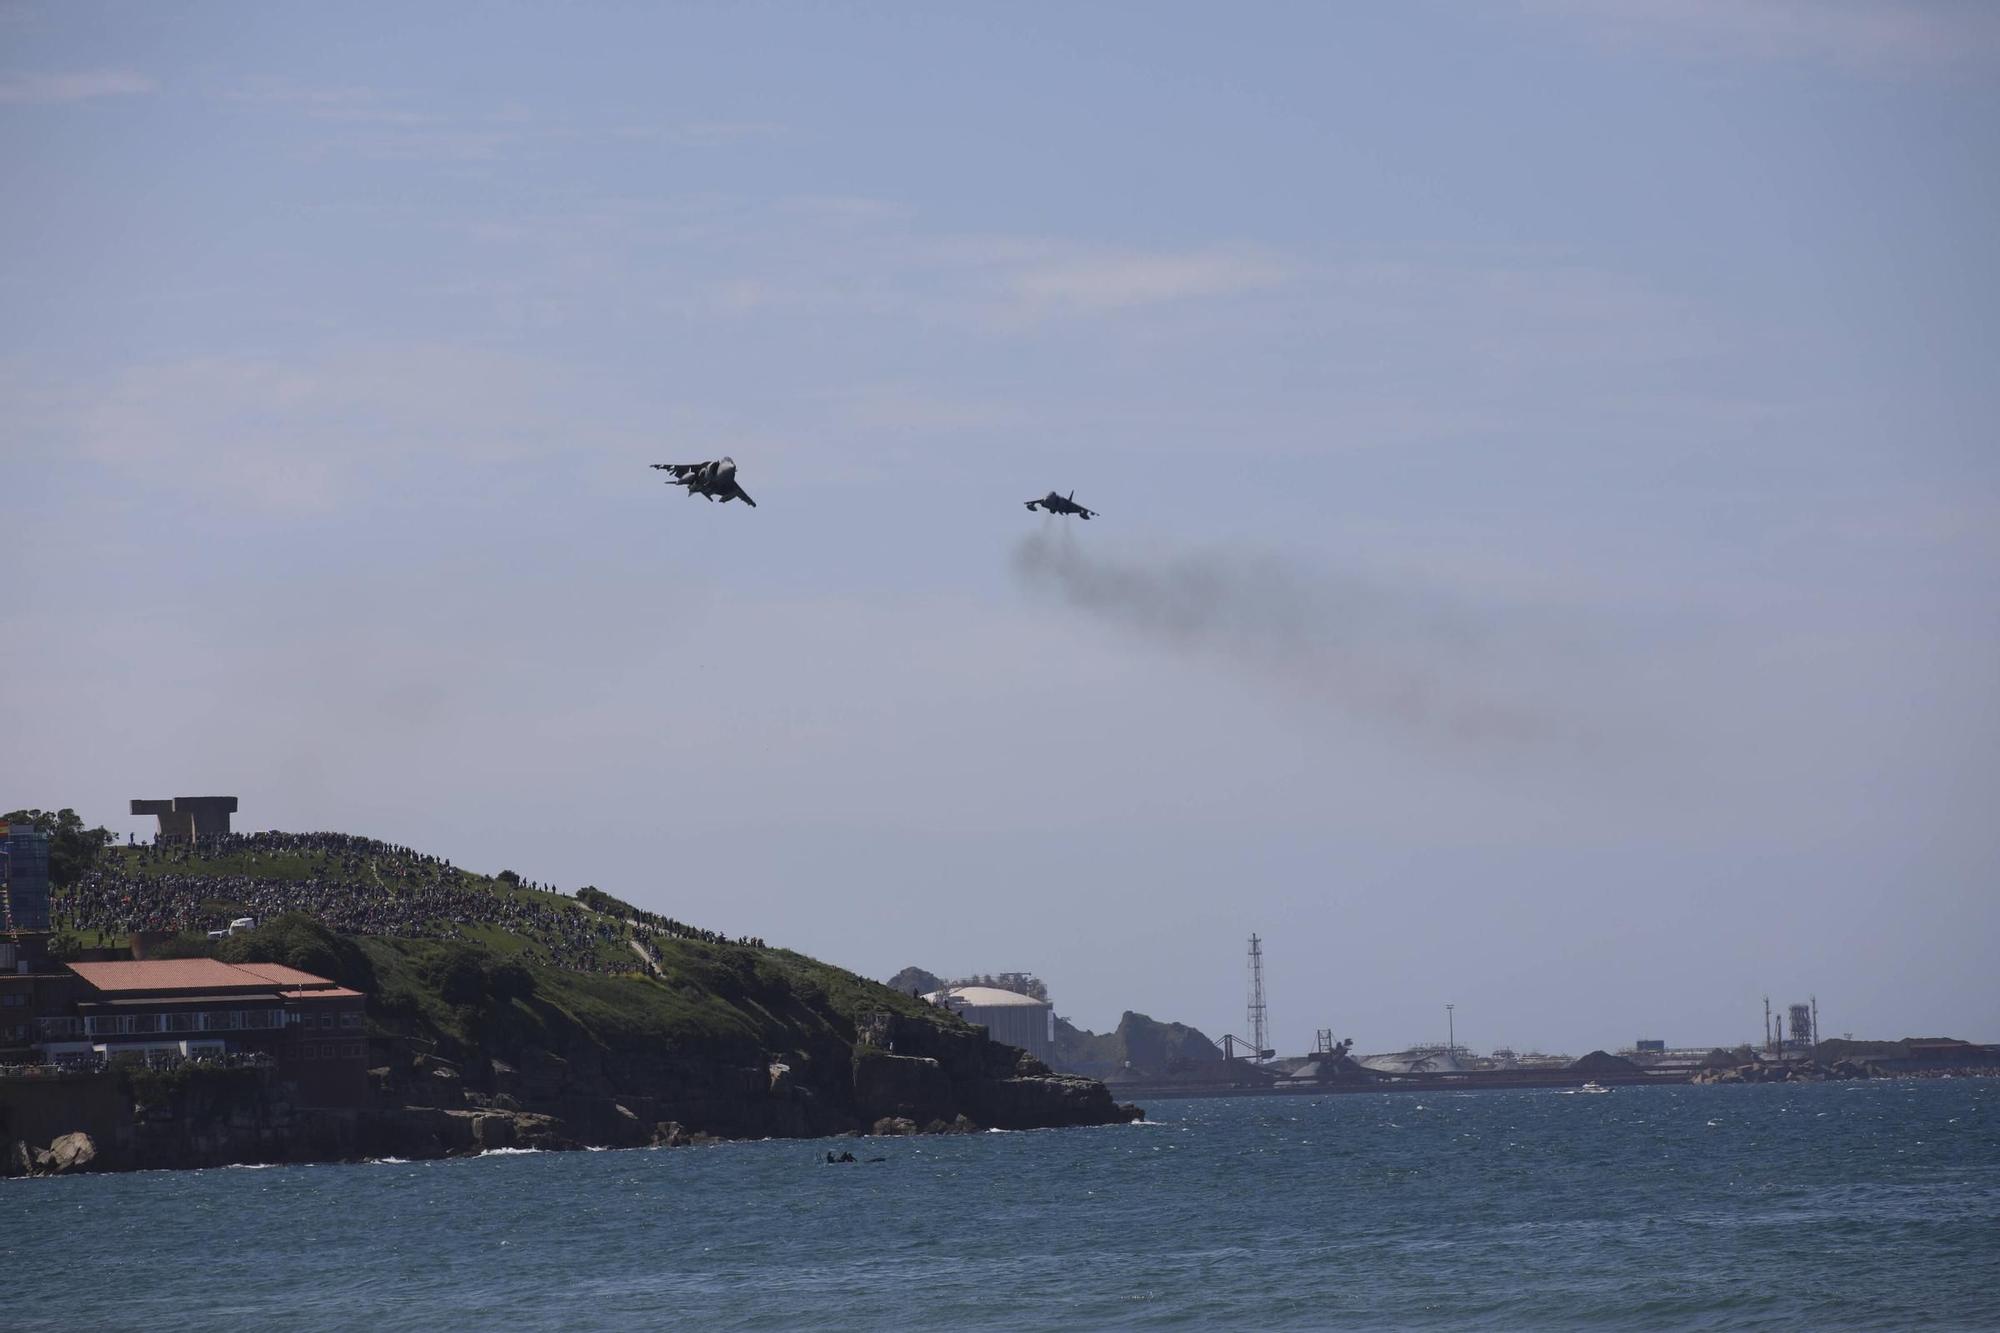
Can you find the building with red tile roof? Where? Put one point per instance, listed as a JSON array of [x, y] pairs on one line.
[[190, 1008]]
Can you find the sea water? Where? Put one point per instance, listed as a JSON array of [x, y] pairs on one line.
[[1836, 1205]]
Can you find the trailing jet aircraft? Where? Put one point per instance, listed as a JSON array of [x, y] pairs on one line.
[[715, 479], [1057, 504]]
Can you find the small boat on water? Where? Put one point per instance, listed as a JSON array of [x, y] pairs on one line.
[[1593, 1086]]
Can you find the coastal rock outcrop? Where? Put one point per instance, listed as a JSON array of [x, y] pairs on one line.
[[69, 1153], [886, 1084], [1802, 1071]]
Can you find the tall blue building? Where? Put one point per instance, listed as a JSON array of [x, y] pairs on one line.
[[24, 877]]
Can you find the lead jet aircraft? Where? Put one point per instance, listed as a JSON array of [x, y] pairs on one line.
[[1057, 504], [715, 479]]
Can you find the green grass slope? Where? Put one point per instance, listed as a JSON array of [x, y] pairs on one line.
[[483, 992]]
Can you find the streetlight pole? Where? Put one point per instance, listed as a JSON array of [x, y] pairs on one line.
[[1450, 1030]]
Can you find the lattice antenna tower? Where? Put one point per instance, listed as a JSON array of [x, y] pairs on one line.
[[1258, 1019]]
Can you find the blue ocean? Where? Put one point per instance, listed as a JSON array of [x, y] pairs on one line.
[[1853, 1205]]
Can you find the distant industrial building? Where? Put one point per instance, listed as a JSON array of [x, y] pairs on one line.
[[1416, 1060], [24, 878], [185, 818], [1008, 1016]]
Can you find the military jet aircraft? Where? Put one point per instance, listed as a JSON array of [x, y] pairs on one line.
[[715, 479], [1057, 504]]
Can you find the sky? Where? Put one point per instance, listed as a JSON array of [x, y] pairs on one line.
[[1549, 552]]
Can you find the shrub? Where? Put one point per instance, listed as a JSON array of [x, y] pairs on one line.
[[296, 940]]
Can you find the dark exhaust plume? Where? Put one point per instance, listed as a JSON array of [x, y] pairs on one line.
[[1403, 655]]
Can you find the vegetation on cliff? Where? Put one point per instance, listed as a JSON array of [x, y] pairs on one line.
[[916, 980], [73, 848], [487, 994]]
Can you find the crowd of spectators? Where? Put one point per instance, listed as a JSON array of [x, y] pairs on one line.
[[354, 885], [668, 928], [655, 927]]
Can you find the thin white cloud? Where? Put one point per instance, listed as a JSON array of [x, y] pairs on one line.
[[846, 209], [344, 105], [429, 143], [78, 86], [1874, 35], [296, 436], [385, 125], [700, 133], [1120, 280], [718, 133]]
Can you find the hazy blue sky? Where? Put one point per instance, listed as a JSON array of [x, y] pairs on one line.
[[1550, 553]]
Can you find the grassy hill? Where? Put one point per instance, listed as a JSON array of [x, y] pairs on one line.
[[483, 992]]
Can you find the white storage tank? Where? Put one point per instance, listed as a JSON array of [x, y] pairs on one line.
[[1010, 1017]]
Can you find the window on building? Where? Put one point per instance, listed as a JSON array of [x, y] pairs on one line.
[[350, 1020]]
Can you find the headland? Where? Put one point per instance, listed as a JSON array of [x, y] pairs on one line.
[[275, 997]]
